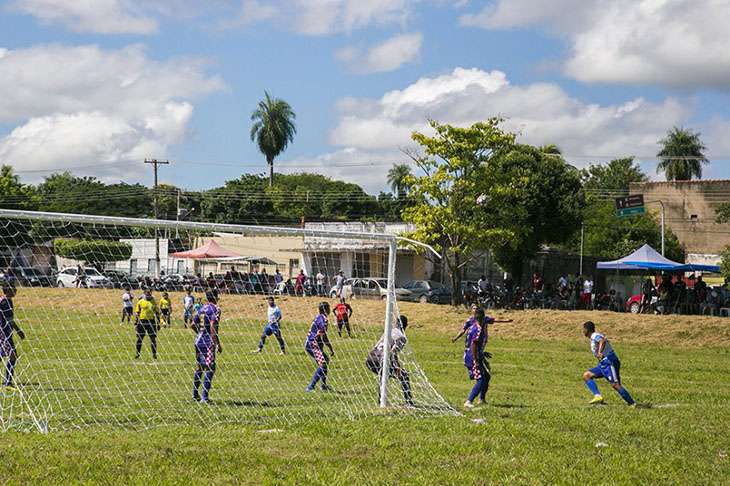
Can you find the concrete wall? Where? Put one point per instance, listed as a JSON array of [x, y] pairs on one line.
[[690, 211]]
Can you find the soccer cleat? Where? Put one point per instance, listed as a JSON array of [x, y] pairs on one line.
[[309, 390], [596, 400], [256, 351], [326, 388], [633, 405], [480, 402], [468, 404], [10, 388], [205, 401], [196, 397]]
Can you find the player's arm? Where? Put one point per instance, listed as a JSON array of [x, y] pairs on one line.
[[458, 336], [136, 312], [326, 341], [599, 348], [503, 320], [7, 312], [349, 310], [214, 336]]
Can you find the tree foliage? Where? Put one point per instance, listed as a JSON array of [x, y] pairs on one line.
[[682, 155], [482, 191], [725, 262], [273, 129], [398, 179], [614, 177], [92, 251]]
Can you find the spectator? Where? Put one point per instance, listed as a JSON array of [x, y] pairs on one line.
[[340, 283], [320, 284], [299, 285], [587, 294], [701, 289], [264, 277], [537, 282], [211, 281], [647, 289], [483, 285], [562, 282]]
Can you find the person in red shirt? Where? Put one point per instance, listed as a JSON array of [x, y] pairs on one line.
[[299, 285], [343, 312], [537, 282]]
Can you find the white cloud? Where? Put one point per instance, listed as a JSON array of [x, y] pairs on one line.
[[386, 56], [541, 113], [251, 12], [678, 43], [98, 16], [321, 17], [84, 105]]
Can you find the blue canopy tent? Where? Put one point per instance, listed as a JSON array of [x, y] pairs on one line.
[[647, 258]]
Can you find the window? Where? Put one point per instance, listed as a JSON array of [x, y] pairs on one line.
[[151, 267], [133, 266], [361, 265], [180, 267]]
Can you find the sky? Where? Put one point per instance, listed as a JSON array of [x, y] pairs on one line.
[[96, 87]]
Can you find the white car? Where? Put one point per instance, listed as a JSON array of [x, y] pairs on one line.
[[92, 278]]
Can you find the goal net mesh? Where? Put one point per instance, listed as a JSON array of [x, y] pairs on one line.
[[77, 367]]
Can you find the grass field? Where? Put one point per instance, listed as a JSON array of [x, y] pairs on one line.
[[536, 428]]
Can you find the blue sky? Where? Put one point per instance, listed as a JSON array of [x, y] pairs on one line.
[[99, 86]]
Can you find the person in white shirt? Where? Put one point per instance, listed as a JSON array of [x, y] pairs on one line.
[[127, 305], [374, 361], [339, 283], [587, 294], [273, 326], [320, 284], [188, 307]]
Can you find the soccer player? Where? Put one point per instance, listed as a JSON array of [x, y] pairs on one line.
[[343, 312], [188, 303], [207, 343], [272, 327], [374, 361], [7, 326], [316, 340], [127, 305], [608, 365], [145, 316], [467, 324], [165, 310]]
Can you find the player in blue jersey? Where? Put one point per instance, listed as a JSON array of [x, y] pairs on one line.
[[273, 326], [316, 340], [608, 366], [207, 343], [7, 327]]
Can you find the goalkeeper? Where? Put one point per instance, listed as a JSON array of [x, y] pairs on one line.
[[316, 340], [7, 326], [374, 361], [206, 324], [146, 315]]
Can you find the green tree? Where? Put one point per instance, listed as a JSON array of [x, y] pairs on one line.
[[95, 252], [614, 177], [273, 129], [444, 209], [550, 149], [682, 155], [398, 179], [14, 194], [725, 262]]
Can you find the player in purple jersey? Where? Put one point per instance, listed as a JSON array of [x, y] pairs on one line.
[[206, 324], [7, 326], [314, 346]]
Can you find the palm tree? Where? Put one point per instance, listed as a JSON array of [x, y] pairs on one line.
[[396, 178], [273, 129], [681, 156], [550, 149]]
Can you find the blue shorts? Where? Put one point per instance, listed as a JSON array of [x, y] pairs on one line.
[[188, 314], [205, 355], [272, 329], [608, 368]]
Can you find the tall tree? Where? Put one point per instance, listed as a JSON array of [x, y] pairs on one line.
[[682, 155], [616, 176], [273, 129], [550, 149], [398, 179]]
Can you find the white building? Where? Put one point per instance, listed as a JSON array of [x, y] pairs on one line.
[[142, 261]]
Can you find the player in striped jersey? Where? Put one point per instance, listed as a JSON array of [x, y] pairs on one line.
[[314, 346]]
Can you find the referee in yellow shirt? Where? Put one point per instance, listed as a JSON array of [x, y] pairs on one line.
[[146, 315]]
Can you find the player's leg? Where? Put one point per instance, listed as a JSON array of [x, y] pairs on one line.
[[197, 377], [8, 350], [139, 329], [589, 379], [280, 339], [262, 342], [614, 378], [487, 374], [209, 373], [315, 377], [340, 323], [152, 332], [347, 326], [476, 375]]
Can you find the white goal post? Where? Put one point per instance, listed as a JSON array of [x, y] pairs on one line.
[[77, 366]]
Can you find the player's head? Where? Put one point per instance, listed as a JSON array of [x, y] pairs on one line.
[[588, 328], [188, 290], [147, 294], [324, 308], [271, 300], [482, 277], [9, 290], [474, 309], [479, 316], [165, 294], [211, 296], [127, 288], [403, 322]]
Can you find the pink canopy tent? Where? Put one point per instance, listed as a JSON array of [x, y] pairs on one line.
[[208, 251]]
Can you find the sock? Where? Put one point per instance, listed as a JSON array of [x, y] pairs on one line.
[[207, 383], [9, 371], [262, 341], [323, 375], [196, 383], [485, 387], [405, 384], [626, 395], [592, 387], [315, 378], [475, 389]]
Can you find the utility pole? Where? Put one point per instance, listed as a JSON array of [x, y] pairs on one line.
[[582, 230], [155, 163]]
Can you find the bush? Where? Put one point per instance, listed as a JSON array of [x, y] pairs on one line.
[[92, 251]]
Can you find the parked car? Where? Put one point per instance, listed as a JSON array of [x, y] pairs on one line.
[[31, 277], [66, 277], [118, 279], [346, 287], [426, 291]]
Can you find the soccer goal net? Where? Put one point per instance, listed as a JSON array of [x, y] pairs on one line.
[[142, 323]]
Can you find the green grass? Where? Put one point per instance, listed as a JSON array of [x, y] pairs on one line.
[[537, 427]]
